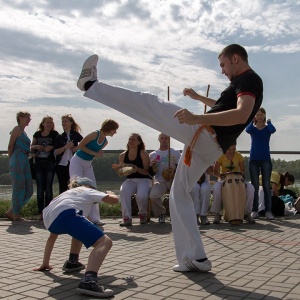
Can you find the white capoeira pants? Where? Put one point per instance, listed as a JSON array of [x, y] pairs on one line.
[[83, 168], [217, 197], [158, 114], [201, 196], [141, 188]]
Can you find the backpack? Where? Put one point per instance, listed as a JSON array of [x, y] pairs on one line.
[[278, 206]]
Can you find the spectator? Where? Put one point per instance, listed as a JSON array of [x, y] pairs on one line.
[[163, 165], [200, 193], [89, 147], [138, 182], [231, 161], [43, 147], [278, 182], [18, 151], [66, 144], [260, 131]]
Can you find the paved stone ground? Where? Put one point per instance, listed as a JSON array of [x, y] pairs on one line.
[[258, 261]]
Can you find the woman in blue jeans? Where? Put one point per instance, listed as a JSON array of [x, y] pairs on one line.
[[43, 146], [260, 131]]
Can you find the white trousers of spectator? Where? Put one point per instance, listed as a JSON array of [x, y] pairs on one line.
[[157, 191], [201, 196], [158, 114], [141, 188], [261, 198], [217, 197], [83, 168]]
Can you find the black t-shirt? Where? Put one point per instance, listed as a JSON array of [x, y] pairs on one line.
[[45, 141], [137, 162], [247, 83]]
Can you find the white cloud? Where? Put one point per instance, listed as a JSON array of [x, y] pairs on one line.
[[143, 45]]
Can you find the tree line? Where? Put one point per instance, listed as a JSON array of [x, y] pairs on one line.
[[104, 172]]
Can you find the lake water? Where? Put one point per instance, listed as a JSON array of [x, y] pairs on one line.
[[114, 186]]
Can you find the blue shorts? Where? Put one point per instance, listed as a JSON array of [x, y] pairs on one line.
[[73, 223]]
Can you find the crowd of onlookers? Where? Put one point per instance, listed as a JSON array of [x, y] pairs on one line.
[[70, 155]]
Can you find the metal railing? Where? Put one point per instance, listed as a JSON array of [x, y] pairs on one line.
[[4, 152]]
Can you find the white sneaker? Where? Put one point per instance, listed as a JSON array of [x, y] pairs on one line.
[[269, 215], [100, 223], [194, 265], [254, 215], [89, 71], [181, 268], [248, 218]]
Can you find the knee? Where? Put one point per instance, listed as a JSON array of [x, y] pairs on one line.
[[104, 241]]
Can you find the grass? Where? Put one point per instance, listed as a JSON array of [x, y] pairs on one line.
[[30, 210]]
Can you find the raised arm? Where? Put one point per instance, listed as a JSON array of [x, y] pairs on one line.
[[239, 115], [192, 94]]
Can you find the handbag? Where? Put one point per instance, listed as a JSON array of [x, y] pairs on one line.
[[32, 166]]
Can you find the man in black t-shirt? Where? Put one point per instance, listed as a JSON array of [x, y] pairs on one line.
[[205, 136]]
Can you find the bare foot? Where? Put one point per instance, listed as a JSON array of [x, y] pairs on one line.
[[43, 268], [9, 216], [18, 218]]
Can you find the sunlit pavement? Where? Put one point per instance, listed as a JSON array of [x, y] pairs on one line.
[[259, 261]]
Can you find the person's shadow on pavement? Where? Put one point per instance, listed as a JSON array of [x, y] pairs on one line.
[[213, 286], [20, 228], [70, 285]]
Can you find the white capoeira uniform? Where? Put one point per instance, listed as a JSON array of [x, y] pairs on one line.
[[201, 196], [158, 114]]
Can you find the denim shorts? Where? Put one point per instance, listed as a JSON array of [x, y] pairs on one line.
[[73, 223]]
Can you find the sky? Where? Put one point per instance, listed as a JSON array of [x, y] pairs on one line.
[[145, 46]]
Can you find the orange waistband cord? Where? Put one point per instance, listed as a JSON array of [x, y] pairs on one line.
[[188, 153]]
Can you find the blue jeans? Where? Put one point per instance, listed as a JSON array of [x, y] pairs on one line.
[[265, 167], [44, 174]]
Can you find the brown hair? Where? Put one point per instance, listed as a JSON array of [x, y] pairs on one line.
[[74, 126], [289, 177], [141, 145], [109, 125], [22, 114], [41, 126], [232, 49], [262, 110]]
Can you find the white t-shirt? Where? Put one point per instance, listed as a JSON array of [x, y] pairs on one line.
[[80, 198], [163, 162]]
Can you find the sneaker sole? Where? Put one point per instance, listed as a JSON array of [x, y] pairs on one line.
[[73, 270], [192, 267], [88, 64], [97, 294]]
